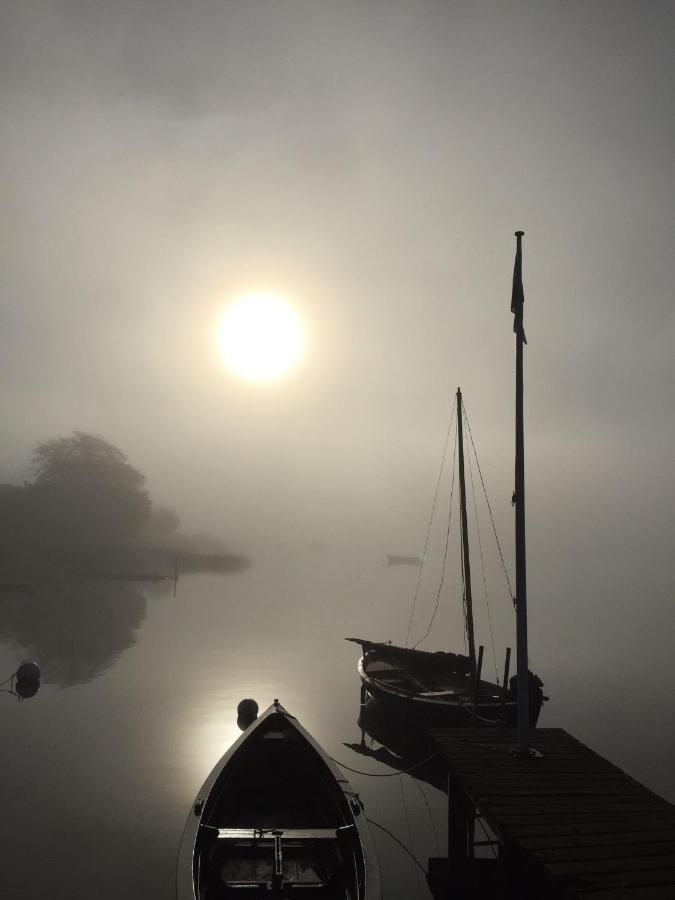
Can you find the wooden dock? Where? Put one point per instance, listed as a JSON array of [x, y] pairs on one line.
[[569, 824]]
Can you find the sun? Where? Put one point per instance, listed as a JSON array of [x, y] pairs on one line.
[[260, 337]]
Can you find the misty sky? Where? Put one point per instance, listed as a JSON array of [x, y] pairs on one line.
[[370, 161]]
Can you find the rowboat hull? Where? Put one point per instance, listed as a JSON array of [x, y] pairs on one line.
[[437, 689], [276, 818]]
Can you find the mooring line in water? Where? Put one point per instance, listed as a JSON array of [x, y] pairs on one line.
[[407, 825], [399, 842], [382, 774], [430, 814]]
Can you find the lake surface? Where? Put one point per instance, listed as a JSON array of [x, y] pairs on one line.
[[138, 701]]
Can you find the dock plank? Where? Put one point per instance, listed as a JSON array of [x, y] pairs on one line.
[[653, 892], [585, 823], [601, 832], [587, 852], [653, 839]]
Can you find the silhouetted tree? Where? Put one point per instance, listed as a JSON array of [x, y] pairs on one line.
[[161, 526], [89, 499], [87, 512]]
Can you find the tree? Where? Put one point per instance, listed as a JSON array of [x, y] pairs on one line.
[[161, 528], [91, 499]]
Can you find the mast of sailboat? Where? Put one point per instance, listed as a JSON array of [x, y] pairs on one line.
[[465, 538], [523, 681]]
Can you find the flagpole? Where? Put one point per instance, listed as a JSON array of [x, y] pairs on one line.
[[465, 542], [523, 690]]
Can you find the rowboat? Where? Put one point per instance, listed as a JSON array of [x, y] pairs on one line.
[[277, 818]]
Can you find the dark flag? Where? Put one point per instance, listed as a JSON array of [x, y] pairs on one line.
[[517, 296]]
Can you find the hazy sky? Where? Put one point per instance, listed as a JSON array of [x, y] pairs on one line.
[[370, 161]]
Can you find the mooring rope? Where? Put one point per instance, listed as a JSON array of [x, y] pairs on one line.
[[407, 824], [399, 842], [429, 813], [383, 774]]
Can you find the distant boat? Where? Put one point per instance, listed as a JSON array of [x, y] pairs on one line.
[[446, 688], [276, 818], [404, 560]]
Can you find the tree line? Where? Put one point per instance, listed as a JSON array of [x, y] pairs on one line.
[[86, 510]]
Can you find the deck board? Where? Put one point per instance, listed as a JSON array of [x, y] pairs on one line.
[[591, 829]]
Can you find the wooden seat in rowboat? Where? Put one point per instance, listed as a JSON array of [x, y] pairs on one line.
[[284, 859]]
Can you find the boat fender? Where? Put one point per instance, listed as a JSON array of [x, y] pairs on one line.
[[28, 671], [535, 685], [27, 682], [247, 713]]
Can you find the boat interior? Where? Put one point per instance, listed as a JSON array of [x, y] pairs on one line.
[[433, 680], [277, 826]]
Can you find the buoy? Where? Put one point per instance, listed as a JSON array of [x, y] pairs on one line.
[[28, 671], [247, 712], [27, 680]]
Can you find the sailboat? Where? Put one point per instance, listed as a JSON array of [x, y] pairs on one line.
[[445, 688]]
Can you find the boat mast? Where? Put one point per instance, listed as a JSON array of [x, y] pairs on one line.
[[465, 538], [523, 681]]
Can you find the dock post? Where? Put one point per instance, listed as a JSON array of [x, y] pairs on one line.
[[458, 831], [523, 685], [479, 670], [505, 682]]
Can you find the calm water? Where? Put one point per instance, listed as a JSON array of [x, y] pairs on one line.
[[138, 701]]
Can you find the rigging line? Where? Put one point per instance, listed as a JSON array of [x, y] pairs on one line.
[[407, 822], [464, 609], [487, 500], [431, 518], [482, 563], [383, 774], [399, 842], [445, 554]]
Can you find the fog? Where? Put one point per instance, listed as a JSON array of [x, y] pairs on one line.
[[370, 163]]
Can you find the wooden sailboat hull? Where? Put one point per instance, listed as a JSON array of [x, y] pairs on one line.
[[276, 818], [437, 688]]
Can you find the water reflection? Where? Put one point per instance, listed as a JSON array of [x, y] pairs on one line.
[[76, 631], [396, 743]]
